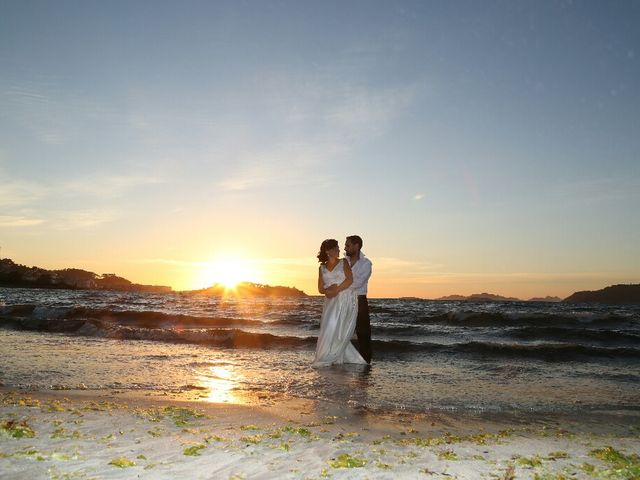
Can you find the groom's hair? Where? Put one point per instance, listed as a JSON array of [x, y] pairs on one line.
[[355, 239]]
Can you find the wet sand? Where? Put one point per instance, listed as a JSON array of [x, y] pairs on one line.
[[114, 434]]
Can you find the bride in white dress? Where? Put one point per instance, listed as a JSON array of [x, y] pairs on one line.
[[340, 309]]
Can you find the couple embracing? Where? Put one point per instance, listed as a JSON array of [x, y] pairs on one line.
[[343, 281]]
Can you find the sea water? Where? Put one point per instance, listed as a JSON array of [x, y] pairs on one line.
[[428, 355]]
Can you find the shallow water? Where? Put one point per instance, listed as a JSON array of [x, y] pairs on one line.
[[427, 355]]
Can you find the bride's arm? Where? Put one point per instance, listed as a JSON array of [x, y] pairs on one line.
[[320, 282]]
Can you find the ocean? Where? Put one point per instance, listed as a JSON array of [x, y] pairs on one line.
[[428, 355]]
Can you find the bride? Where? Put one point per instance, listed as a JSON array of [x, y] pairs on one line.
[[340, 309]]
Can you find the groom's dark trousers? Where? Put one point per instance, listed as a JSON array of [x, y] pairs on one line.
[[363, 328]]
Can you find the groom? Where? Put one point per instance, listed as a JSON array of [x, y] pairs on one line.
[[361, 268]]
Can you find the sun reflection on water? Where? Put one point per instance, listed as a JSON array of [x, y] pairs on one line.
[[221, 383]]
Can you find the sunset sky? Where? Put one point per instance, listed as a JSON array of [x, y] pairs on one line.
[[475, 146]]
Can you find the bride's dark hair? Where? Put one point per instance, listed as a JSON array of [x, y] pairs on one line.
[[326, 245]]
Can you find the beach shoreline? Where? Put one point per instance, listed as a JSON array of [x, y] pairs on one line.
[[115, 434]]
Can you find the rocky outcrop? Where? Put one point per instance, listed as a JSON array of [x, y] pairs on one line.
[[613, 295], [247, 289], [16, 275], [480, 297], [545, 299]]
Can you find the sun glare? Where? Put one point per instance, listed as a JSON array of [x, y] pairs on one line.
[[230, 272]]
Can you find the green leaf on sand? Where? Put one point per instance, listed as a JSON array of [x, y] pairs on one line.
[[60, 457], [447, 455], [345, 460], [249, 427], [303, 432], [532, 462], [621, 465], [194, 450], [122, 462], [17, 429], [252, 439]]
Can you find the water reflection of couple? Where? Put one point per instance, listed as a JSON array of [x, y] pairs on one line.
[[344, 284]]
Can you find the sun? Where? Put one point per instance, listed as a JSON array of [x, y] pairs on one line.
[[229, 272]]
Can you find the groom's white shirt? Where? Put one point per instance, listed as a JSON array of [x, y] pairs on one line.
[[361, 273]]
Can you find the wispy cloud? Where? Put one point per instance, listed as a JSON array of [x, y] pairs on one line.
[[15, 192], [7, 221], [463, 278], [18, 192], [29, 202], [357, 112], [83, 219], [318, 120], [283, 165], [305, 261], [599, 190], [101, 185], [171, 261], [302, 261], [51, 115], [405, 268], [383, 265]]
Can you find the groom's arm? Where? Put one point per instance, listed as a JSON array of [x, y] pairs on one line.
[[361, 276]]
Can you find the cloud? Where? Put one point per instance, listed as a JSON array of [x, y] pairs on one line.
[[14, 192], [418, 196], [317, 121], [599, 190], [401, 271], [284, 165], [408, 267], [462, 278], [301, 261], [15, 221], [17, 192], [33, 199], [304, 261], [50, 115], [170, 261], [357, 112], [383, 265], [101, 185], [83, 219], [34, 109]]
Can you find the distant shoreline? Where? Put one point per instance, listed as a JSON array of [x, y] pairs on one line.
[[14, 275]]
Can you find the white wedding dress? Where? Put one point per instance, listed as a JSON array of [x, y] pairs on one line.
[[337, 323]]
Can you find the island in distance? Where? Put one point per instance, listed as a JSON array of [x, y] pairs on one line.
[[490, 297], [16, 275], [248, 289], [613, 295], [480, 297], [21, 276]]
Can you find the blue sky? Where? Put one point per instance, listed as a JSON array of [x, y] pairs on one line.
[[476, 146]]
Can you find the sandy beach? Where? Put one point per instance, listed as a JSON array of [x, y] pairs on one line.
[[80, 434]]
